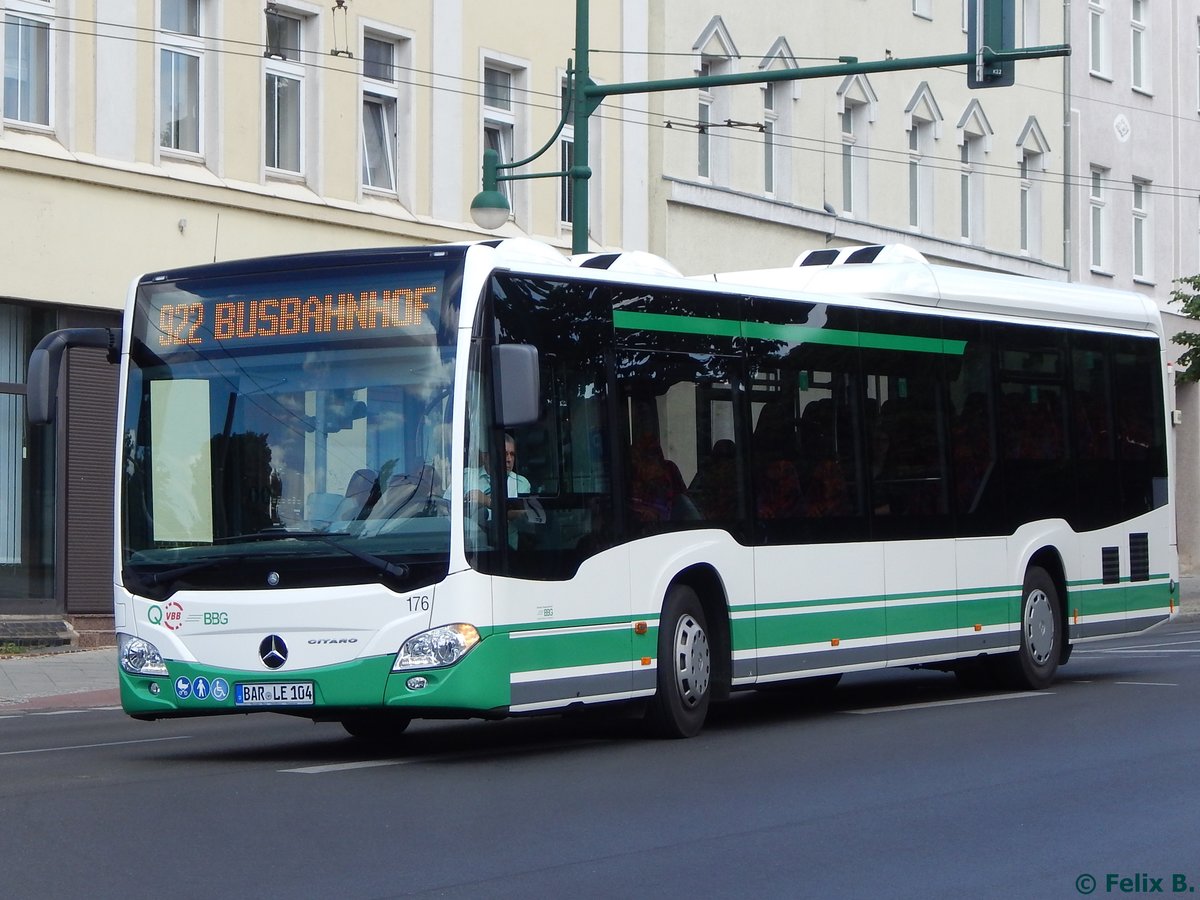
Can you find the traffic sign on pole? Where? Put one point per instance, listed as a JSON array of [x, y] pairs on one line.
[[991, 28]]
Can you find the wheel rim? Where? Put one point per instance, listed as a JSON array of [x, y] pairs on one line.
[[1039, 626], [692, 662]]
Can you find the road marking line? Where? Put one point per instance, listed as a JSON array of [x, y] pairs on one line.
[[1149, 683], [341, 767], [180, 737], [1144, 651], [935, 703]]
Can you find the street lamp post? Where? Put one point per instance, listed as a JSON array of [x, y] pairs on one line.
[[491, 206]]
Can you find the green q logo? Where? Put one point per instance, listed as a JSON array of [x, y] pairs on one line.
[[155, 615]]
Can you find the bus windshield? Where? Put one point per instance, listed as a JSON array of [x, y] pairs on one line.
[[289, 429]]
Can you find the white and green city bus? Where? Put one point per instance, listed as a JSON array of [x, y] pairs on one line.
[[728, 483]]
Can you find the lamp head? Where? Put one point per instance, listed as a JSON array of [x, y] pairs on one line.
[[489, 210]]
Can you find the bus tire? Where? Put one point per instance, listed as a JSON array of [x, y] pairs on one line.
[[376, 727], [684, 688], [1033, 666]]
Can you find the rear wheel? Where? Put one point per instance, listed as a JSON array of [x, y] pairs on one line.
[[680, 703], [1034, 664], [377, 727]]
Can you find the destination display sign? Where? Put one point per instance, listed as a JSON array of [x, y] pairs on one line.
[[353, 305]]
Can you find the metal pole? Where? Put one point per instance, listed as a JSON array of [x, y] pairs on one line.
[[581, 173]]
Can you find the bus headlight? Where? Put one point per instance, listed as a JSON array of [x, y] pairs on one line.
[[139, 657], [437, 647]]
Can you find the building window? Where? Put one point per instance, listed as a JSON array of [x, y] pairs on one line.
[[566, 157], [27, 68], [1142, 244], [920, 175], [855, 106], [854, 158], [1097, 201], [970, 181], [1139, 41], [922, 8], [379, 114], [1031, 23], [180, 67], [181, 16], [27, 470], [770, 117], [703, 121], [712, 109], [1030, 203], [1097, 39], [499, 118], [285, 94]]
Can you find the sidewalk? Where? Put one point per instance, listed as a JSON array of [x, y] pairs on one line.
[[59, 680], [88, 678]]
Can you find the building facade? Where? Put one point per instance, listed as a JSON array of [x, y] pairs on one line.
[[138, 135], [1134, 111]]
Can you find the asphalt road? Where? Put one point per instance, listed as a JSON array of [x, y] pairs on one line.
[[899, 784]]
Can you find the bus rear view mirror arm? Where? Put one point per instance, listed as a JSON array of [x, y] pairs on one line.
[[45, 364]]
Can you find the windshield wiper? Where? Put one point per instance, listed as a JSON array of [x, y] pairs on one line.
[[156, 578], [396, 570], [150, 581]]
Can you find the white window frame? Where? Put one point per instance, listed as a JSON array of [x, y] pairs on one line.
[[1098, 43], [967, 201], [770, 145], [923, 9], [1143, 237], [41, 15], [923, 123], [499, 129], [1031, 23], [191, 46], [712, 109], [1032, 155], [703, 129], [777, 121], [855, 107], [974, 144], [1139, 47], [921, 135], [854, 158], [566, 155], [385, 96], [290, 70], [1029, 205], [1098, 220]]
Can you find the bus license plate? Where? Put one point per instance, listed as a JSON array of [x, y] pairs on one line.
[[283, 693]]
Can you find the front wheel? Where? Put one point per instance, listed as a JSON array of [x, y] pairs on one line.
[[1033, 666], [680, 703]]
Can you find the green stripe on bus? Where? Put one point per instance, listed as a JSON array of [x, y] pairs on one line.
[[793, 334]]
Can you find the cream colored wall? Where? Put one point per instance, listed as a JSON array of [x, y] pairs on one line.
[[94, 201], [819, 33]]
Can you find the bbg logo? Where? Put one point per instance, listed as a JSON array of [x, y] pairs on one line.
[[216, 618]]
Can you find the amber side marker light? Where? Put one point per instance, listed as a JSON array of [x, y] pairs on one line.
[[640, 628]]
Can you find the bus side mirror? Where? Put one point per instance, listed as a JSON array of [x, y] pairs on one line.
[[517, 384], [45, 363]]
